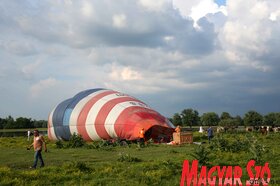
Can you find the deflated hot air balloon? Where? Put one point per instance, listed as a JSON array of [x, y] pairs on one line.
[[106, 114]]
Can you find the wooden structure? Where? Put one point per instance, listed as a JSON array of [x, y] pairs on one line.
[[182, 137]]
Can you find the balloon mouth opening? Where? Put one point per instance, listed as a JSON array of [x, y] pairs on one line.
[[159, 134]]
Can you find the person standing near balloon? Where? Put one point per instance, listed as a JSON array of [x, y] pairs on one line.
[[28, 135], [178, 129], [142, 137], [37, 144], [210, 133]]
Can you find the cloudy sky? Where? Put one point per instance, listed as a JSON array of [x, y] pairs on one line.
[[208, 55]]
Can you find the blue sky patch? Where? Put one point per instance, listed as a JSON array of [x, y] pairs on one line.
[[220, 2]]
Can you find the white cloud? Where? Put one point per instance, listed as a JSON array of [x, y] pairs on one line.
[[168, 38], [203, 8], [31, 68], [119, 20], [19, 47], [260, 10], [247, 34], [124, 74], [198, 9], [128, 74], [236, 31], [87, 9], [37, 88], [184, 7], [157, 6], [274, 15], [68, 2]]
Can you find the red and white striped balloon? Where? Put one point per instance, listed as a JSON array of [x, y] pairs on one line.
[[105, 114]]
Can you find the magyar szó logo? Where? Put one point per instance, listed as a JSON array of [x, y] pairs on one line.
[[224, 175]]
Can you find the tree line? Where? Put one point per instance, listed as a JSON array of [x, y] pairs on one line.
[[188, 117], [191, 117], [21, 123]]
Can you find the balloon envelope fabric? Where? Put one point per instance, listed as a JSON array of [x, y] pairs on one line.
[[105, 114]]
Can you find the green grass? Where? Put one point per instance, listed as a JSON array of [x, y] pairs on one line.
[[152, 165]]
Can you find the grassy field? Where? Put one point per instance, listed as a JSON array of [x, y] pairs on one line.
[[155, 164]]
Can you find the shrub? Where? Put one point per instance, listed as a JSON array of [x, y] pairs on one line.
[[102, 145], [59, 144], [76, 141], [174, 167], [224, 144], [257, 150], [220, 143], [202, 155], [240, 145]]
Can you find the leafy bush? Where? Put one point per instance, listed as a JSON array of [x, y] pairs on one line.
[[248, 144], [59, 144], [220, 143], [202, 155], [107, 144], [223, 144], [174, 167], [75, 141], [102, 145], [257, 150], [240, 145]]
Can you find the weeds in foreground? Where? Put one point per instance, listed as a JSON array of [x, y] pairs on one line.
[[249, 143], [202, 155], [76, 141], [77, 165], [59, 144], [124, 157], [257, 150]]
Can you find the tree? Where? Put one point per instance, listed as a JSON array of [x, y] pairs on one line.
[[2, 123], [210, 119], [190, 117], [226, 120], [277, 119], [23, 123], [253, 118], [9, 123], [269, 119], [40, 124], [228, 123], [225, 115], [176, 119], [239, 120]]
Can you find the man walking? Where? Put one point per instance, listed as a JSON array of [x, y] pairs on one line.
[[37, 144]]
